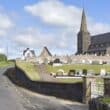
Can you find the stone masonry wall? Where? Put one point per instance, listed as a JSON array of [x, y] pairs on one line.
[[73, 91]]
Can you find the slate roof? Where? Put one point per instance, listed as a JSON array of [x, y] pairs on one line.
[[101, 38]]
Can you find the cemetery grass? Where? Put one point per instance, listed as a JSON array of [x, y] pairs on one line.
[[29, 70], [66, 68]]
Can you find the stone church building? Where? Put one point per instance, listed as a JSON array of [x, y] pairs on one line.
[[87, 44]]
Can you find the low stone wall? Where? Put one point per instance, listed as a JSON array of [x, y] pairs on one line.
[[94, 104], [73, 91]]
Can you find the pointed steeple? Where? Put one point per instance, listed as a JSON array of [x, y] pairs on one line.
[[83, 39], [83, 27]]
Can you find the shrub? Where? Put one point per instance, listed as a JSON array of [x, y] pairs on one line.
[[3, 57]]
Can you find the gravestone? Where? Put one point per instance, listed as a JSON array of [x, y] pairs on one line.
[[78, 73], [60, 72], [71, 73], [102, 72], [85, 71]]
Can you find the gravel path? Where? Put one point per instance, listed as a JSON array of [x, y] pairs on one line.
[[44, 75]]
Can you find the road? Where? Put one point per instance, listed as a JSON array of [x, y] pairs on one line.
[[16, 98], [9, 99]]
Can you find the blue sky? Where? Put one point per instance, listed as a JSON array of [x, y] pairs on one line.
[[51, 23]]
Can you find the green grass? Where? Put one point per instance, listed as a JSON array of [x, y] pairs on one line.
[[6, 63], [69, 80], [105, 100], [29, 69], [66, 68]]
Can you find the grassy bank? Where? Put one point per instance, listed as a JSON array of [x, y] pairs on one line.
[[69, 80], [29, 69], [66, 68], [105, 100], [6, 63]]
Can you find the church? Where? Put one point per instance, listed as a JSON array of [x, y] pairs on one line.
[[87, 44]]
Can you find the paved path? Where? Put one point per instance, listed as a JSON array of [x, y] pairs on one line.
[[44, 75], [9, 99], [40, 102]]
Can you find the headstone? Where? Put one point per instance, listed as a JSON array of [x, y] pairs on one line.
[[102, 72], [78, 73], [60, 72], [71, 73], [85, 71], [83, 61]]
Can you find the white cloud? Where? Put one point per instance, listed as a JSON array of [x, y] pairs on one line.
[[5, 23], [35, 38], [56, 12], [32, 37], [2, 50], [97, 27]]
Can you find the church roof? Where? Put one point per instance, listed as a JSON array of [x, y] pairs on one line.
[[101, 38]]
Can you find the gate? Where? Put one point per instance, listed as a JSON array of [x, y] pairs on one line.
[[97, 89]]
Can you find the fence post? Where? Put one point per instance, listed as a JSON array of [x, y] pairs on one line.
[[87, 80], [107, 86]]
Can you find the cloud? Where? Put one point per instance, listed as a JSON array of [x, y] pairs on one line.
[[5, 23], [55, 12], [2, 50], [97, 27], [35, 38], [32, 37]]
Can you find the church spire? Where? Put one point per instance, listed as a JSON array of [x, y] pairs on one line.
[[83, 27], [83, 36]]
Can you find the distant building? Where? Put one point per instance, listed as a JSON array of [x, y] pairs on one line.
[[87, 44], [45, 53], [28, 54], [45, 56]]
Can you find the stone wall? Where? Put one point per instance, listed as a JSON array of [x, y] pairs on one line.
[[73, 91]]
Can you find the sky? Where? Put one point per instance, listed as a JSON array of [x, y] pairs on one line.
[[53, 23]]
